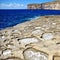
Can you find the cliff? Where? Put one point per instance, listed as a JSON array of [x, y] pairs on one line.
[[48, 5], [34, 6]]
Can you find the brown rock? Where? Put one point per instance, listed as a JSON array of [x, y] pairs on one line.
[[48, 5], [34, 6]]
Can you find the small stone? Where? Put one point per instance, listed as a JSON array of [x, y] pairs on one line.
[[48, 36], [54, 23], [37, 27], [15, 30], [3, 37], [5, 52], [28, 40], [37, 32]]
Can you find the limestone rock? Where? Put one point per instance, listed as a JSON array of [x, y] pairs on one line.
[[33, 40], [48, 5]]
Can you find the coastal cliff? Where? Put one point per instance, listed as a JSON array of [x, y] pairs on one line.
[[34, 6], [48, 5]]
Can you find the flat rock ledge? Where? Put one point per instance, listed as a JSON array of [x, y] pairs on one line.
[[33, 40]]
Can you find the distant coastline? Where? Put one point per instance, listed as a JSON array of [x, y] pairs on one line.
[[49, 5]]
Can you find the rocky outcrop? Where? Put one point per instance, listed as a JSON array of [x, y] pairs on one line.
[[34, 6], [37, 39], [49, 5]]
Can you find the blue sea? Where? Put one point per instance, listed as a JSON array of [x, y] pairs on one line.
[[9, 18]]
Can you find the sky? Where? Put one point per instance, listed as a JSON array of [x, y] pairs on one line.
[[19, 4]]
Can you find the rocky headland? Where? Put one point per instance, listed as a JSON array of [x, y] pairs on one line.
[[48, 5]]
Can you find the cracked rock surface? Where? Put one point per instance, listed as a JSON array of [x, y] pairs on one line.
[[33, 40]]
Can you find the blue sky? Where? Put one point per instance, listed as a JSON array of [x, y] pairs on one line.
[[19, 4]]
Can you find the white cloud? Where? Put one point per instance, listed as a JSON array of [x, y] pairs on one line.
[[11, 5]]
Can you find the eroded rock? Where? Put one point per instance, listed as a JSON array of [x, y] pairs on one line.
[[48, 36], [28, 41], [32, 54]]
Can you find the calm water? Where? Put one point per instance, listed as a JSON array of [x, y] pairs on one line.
[[10, 18]]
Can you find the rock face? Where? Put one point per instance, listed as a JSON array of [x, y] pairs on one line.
[[33, 40], [49, 5], [34, 6]]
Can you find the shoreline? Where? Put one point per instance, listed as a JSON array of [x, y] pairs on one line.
[[30, 19], [40, 35]]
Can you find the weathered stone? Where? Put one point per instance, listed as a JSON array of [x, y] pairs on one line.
[[28, 41], [48, 5], [57, 58], [32, 54], [48, 36], [42, 35]]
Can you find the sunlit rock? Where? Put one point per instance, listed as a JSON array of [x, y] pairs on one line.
[[37, 32], [37, 27], [3, 37], [32, 54], [6, 52], [28, 40], [48, 36]]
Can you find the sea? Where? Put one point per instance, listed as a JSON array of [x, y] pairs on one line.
[[12, 17]]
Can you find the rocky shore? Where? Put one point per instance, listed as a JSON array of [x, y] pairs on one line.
[[33, 40]]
